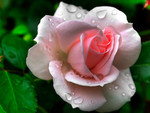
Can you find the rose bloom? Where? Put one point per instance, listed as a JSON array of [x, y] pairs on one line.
[[88, 55]]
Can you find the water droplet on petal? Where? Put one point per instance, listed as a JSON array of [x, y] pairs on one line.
[[72, 73], [73, 93], [85, 11], [131, 86], [93, 21], [57, 66], [71, 9], [50, 40], [64, 18], [126, 74], [114, 12], [52, 23], [116, 87], [123, 94], [78, 100], [68, 96], [50, 19], [109, 88], [101, 14], [78, 15]]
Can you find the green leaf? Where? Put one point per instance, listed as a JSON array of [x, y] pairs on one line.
[[126, 108], [20, 30], [127, 2], [17, 94], [144, 57], [141, 73], [141, 69], [69, 109], [47, 97], [147, 91], [15, 50], [36, 12], [2, 110], [1, 58]]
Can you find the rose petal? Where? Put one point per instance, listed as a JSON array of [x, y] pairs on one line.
[[77, 79], [129, 49], [70, 31], [76, 59], [105, 16], [104, 66], [38, 60], [70, 12], [130, 40], [92, 57], [86, 98], [46, 29], [118, 92]]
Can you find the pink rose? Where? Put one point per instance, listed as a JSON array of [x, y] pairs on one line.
[[88, 55]]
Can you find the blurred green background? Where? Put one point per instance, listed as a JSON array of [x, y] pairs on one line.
[[21, 92]]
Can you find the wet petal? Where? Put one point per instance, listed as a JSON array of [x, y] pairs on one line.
[[70, 12], [104, 66], [46, 28], [118, 92], [129, 49], [84, 81], [85, 98], [38, 60], [69, 32]]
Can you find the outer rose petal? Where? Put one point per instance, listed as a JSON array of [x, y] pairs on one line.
[[130, 41], [38, 60], [118, 92], [68, 32], [129, 48], [70, 12], [86, 98], [46, 29], [40, 55]]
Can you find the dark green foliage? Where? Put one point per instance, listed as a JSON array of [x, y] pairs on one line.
[[22, 92], [17, 94]]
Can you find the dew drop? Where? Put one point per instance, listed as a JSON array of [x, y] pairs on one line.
[[123, 94], [73, 93], [50, 40], [126, 74], [78, 100], [64, 18], [72, 73], [78, 15], [52, 23], [85, 11], [116, 87], [93, 21], [68, 96], [71, 9], [50, 19], [101, 14], [132, 92], [131, 86], [109, 88], [114, 12], [57, 66]]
